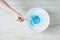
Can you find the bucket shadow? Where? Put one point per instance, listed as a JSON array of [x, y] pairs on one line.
[[54, 21]]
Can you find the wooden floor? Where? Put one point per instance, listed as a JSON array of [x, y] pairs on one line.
[[10, 29]]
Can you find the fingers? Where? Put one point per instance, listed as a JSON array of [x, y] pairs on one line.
[[20, 19]]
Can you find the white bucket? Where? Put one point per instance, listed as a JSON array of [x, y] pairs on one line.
[[38, 19]]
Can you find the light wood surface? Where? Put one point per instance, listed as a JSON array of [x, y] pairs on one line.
[[10, 29]]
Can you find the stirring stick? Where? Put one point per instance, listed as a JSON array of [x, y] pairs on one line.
[[26, 19]]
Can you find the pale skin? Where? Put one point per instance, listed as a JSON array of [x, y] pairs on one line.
[[5, 6]]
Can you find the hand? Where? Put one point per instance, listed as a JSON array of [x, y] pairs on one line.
[[20, 18]]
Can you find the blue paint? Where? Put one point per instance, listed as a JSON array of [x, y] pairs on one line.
[[34, 20]]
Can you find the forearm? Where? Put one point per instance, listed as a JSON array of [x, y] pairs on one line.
[[4, 5]]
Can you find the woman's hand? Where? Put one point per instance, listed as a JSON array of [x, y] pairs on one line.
[[20, 18]]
